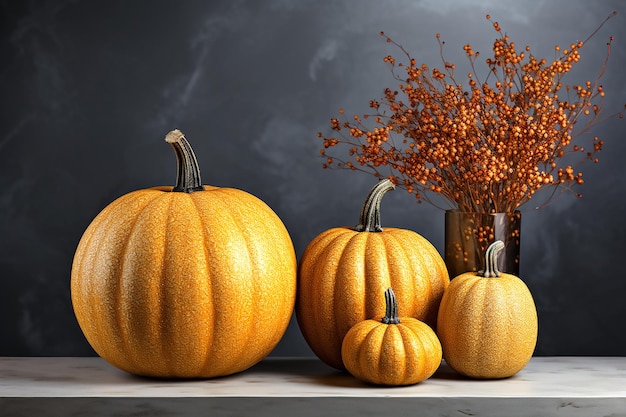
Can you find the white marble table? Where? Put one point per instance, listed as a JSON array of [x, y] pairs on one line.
[[548, 386]]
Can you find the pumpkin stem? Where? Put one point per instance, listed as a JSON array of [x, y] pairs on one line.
[[391, 308], [491, 260], [369, 219], [188, 175]]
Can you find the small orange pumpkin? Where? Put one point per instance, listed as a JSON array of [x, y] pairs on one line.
[[487, 322], [391, 350], [344, 272], [184, 281]]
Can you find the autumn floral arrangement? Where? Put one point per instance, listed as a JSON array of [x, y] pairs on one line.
[[485, 145]]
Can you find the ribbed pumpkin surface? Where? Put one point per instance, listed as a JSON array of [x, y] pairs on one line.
[[487, 326], [343, 276], [175, 284], [391, 354]]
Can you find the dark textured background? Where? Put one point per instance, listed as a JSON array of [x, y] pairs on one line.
[[90, 88]]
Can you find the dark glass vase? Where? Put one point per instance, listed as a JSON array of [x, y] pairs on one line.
[[467, 236]]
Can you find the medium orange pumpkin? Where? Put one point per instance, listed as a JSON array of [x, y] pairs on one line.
[[344, 272], [391, 350], [184, 281], [487, 322]]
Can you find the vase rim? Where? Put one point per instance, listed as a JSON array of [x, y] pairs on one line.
[[477, 212]]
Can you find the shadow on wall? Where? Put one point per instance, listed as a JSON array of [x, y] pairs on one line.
[[574, 271]]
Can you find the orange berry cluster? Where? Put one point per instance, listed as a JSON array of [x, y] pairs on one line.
[[487, 146]]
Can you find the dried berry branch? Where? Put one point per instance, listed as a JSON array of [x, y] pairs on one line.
[[487, 146]]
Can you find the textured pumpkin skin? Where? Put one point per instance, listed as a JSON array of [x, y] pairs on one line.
[[343, 275], [174, 284], [391, 354], [487, 326]]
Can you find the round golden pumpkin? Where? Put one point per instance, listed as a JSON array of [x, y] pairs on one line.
[[184, 281], [391, 350], [487, 322], [344, 272]]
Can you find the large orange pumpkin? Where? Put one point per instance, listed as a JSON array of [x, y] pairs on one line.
[[184, 281], [487, 322], [344, 272]]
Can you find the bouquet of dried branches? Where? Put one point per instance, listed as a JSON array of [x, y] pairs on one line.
[[485, 145]]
